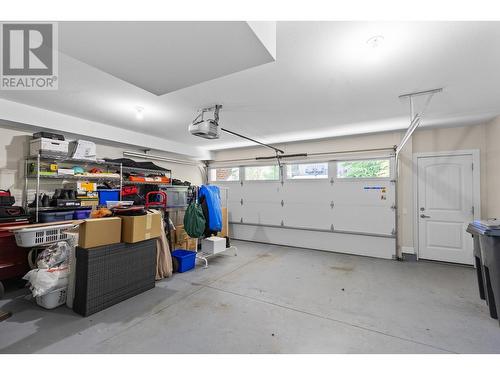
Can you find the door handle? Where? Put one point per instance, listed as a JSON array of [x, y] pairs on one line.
[[425, 216]]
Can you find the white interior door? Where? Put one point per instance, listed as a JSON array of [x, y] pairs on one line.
[[445, 207]]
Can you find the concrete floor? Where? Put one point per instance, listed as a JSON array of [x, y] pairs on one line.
[[273, 299]]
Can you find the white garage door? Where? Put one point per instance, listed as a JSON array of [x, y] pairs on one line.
[[343, 206]]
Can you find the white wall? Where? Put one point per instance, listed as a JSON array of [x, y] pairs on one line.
[[492, 168], [14, 146], [484, 137]]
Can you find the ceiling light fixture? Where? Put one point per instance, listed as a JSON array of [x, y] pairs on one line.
[[139, 113], [375, 41]]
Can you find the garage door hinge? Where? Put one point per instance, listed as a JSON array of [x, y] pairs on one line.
[[332, 228], [241, 182], [472, 166], [472, 210], [332, 180], [241, 201], [282, 223], [241, 220], [282, 203], [332, 204], [393, 207], [393, 232]]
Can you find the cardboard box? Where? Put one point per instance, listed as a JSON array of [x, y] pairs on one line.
[[180, 234], [90, 203], [100, 232], [225, 224], [189, 244], [141, 228]]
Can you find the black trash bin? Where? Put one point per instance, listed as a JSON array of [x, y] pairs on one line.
[[476, 233], [486, 234]]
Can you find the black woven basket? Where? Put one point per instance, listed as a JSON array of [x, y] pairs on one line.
[[107, 275]]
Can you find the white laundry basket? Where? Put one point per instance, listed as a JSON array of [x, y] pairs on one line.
[[36, 236], [52, 299]]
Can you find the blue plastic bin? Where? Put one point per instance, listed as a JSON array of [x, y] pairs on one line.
[[81, 214], [50, 217], [186, 259], [108, 195]]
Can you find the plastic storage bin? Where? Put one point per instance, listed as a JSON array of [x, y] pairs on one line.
[[185, 258], [213, 245], [81, 214], [50, 217], [177, 196], [488, 247], [478, 259], [47, 146], [52, 299], [490, 250], [106, 195]]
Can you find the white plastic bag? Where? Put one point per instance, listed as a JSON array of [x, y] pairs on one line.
[[45, 280], [55, 255]]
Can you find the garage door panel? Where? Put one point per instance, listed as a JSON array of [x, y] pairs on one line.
[[307, 215], [362, 193], [261, 213], [235, 212], [259, 192], [364, 219], [302, 191]]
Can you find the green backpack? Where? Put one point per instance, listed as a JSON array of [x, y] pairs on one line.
[[194, 221]]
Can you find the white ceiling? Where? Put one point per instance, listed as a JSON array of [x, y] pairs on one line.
[[162, 57], [326, 81]]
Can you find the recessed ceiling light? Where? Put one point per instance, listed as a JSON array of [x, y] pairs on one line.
[[139, 113], [375, 41]]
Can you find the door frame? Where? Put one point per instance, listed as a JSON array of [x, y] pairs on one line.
[[476, 186]]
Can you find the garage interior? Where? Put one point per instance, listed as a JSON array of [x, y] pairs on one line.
[[348, 161]]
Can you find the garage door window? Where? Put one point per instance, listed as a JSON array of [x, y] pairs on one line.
[[225, 174], [262, 173], [306, 171], [371, 168]]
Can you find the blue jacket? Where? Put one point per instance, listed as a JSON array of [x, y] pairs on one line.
[[212, 197]]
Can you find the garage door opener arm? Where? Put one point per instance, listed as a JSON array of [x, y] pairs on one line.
[[415, 117]]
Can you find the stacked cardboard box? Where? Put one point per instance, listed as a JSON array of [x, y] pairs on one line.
[[181, 240], [141, 228]]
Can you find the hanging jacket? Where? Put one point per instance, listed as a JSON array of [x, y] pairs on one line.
[[212, 198], [204, 208]]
